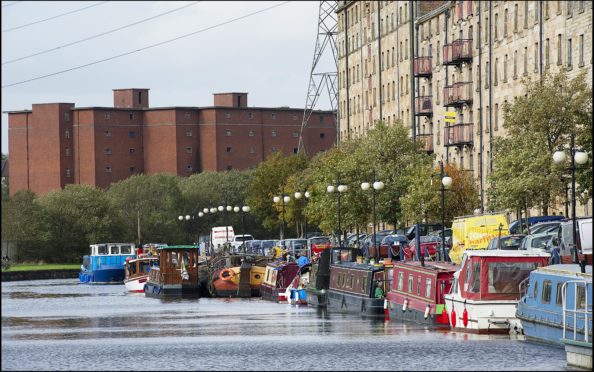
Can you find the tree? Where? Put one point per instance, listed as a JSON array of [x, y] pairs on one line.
[[537, 125], [5, 188]]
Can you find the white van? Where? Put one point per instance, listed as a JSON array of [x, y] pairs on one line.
[[239, 239], [565, 236], [220, 235]]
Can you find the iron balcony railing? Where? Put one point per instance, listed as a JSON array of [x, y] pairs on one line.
[[422, 66], [424, 106], [457, 52], [458, 134], [427, 140], [457, 94]]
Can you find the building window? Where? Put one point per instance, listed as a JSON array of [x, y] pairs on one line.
[[188, 115], [515, 64], [250, 115], [322, 135], [495, 31], [535, 57], [68, 173], [189, 168], [569, 57], [66, 116], [581, 63], [251, 133], [547, 52], [321, 118], [273, 116], [252, 150], [295, 149], [559, 50], [526, 14], [107, 151], [188, 133], [228, 115], [107, 116], [525, 60], [516, 18], [228, 149], [495, 77], [273, 149], [132, 169], [505, 13], [228, 133], [132, 150], [107, 133], [132, 134], [189, 150], [569, 8], [131, 116], [295, 134], [68, 152], [67, 133], [108, 169], [505, 69], [546, 9], [273, 133]]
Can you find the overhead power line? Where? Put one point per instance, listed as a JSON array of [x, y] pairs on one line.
[[98, 35], [147, 47], [54, 17]]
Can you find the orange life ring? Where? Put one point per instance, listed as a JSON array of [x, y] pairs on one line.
[[226, 274]]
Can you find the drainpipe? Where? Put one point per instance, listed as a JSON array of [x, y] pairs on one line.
[[447, 125], [412, 73], [379, 57], [490, 89], [540, 38], [480, 80], [27, 145], [346, 35]]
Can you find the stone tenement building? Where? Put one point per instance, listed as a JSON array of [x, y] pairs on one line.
[[56, 144], [416, 60]]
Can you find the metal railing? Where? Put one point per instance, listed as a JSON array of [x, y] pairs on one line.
[[581, 313]]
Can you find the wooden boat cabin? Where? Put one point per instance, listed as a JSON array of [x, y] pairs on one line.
[[417, 291], [236, 275], [357, 288], [177, 274], [486, 289], [106, 262], [278, 277]]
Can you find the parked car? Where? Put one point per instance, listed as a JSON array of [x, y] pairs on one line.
[[564, 238], [508, 242], [394, 242], [254, 246], [542, 227], [448, 236], [239, 240], [267, 245], [368, 248], [514, 227], [352, 240], [296, 247], [428, 245], [424, 229], [536, 242], [318, 243]]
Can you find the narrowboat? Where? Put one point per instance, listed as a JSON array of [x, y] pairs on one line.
[[236, 275], [316, 290], [357, 288], [178, 273], [417, 291], [105, 264], [278, 280], [486, 289], [541, 308], [137, 272]]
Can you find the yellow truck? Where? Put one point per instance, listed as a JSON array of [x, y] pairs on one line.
[[475, 232]]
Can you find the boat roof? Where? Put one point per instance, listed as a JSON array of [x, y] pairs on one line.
[[179, 247], [504, 253], [567, 270], [429, 266]]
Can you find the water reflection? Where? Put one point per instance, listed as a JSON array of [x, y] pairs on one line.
[[61, 325]]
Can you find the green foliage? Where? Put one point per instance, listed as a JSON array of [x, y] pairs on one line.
[[78, 215], [538, 124]]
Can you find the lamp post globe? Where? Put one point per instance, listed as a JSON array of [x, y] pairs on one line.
[[187, 217], [365, 186], [307, 194], [559, 157], [330, 189], [276, 199], [245, 208], [181, 218], [205, 210], [297, 195], [581, 157], [286, 199], [378, 185], [342, 188], [229, 208], [236, 209], [221, 208], [200, 214], [446, 181]]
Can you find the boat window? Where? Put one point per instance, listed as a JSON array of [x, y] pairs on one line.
[[475, 286], [186, 257], [174, 262], [428, 288], [505, 277], [419, 285], [351, 281], [364, 284], [101, 249], [125, 249], [145, 266], [340, 281], [581, 297], [114, 249], [400, 280], [535, 290], [410, 283], [546, 292], [559, 294]]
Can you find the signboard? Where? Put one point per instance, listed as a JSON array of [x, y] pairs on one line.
[[450, 117]]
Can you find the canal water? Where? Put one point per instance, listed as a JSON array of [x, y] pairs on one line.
[[64, 325]]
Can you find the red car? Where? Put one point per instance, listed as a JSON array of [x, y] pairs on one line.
[[427, 243], [319, 243]]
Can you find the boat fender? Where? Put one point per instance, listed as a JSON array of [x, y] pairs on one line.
[[465, 317], [426, 315], [453, 317], [444, 316], [386, 310], [405, 305], [226, 274]]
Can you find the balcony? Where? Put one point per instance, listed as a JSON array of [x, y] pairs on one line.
[[422, 66], [423, 106], [457, 52], [458, 135], [427, 141], [457, 94]]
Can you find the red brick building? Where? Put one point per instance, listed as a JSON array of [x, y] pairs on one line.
[[55, 144]]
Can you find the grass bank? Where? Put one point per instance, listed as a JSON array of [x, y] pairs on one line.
[[35, 267]]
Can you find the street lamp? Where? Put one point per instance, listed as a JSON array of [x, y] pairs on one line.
[[580, 157], [298, 196], [446, 183], [243, 209], [375, 186], [340, 189], [283, 199]]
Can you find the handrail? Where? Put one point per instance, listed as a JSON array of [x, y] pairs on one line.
[[587, 314]]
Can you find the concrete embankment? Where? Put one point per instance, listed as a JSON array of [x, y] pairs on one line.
[[10, 276]]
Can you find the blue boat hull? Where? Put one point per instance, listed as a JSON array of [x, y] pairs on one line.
[[349, 303], [105, 275]]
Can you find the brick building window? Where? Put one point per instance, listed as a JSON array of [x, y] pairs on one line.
[[274, 133], [252, 150], [228, 149], [322, 135], [131, 116], [107, 116], [294, 117], [132, 150], [189, 150], [132, 169], [273, 115], [295, 134], [107, 133], [273, 149], [68, 173], [68, 152], [188, 133], [321, 118], [229, 167], [66, 116], [107, 151], [228, 115], [189, 168], [228, 133], [250, 115], [252, 133], [295, 149], [132, 134], [188, 115], [67, 133], [108, 169]]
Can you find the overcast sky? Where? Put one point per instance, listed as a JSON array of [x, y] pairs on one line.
[[268, 55]]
